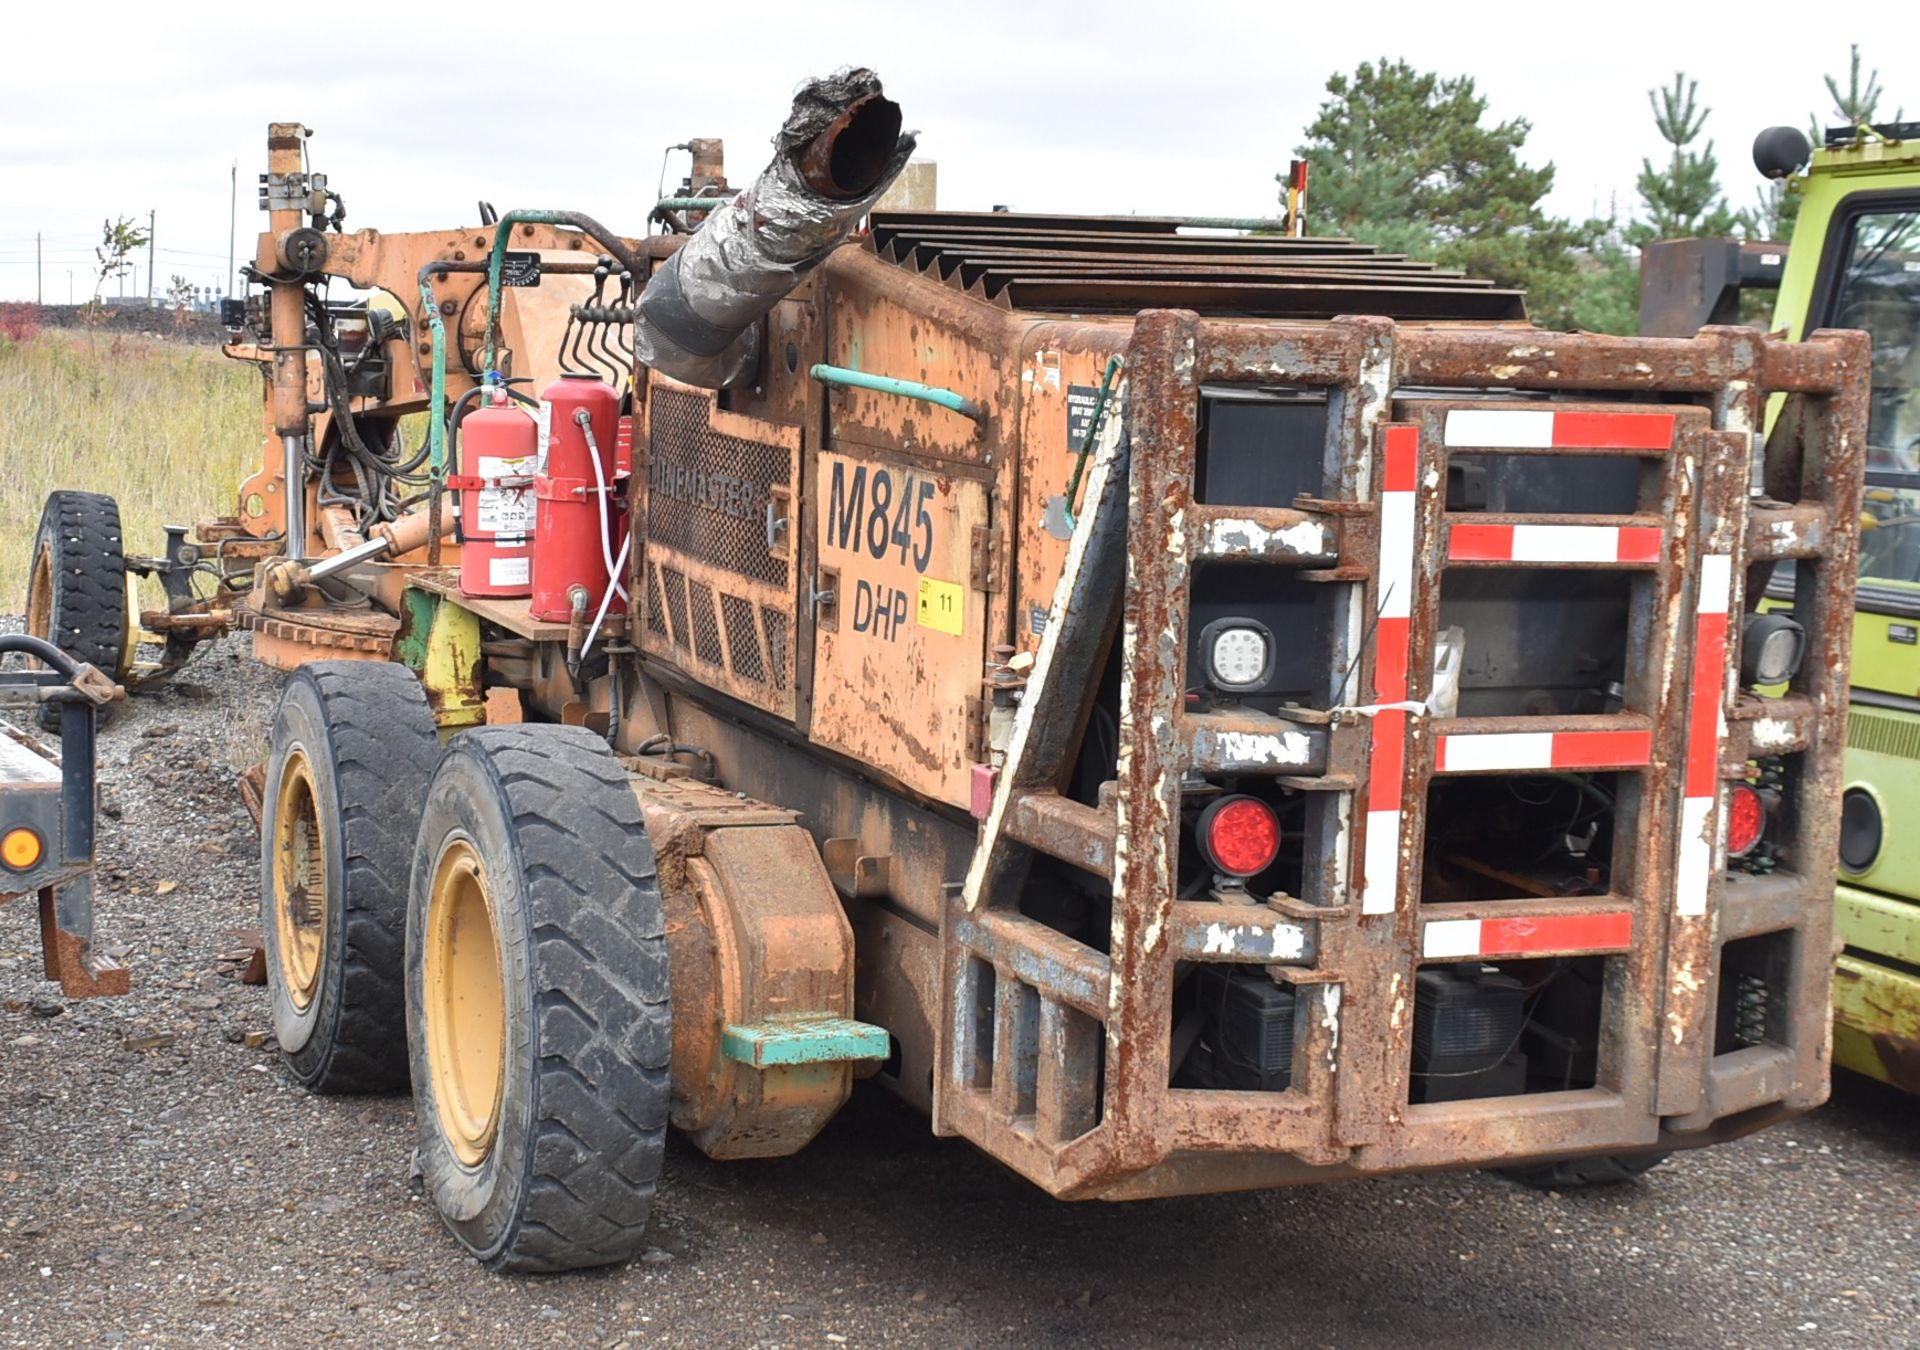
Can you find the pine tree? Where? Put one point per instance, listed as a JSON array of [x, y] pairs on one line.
[[1857, 106], [1683, 200], [1402, 159], [1776, 209]]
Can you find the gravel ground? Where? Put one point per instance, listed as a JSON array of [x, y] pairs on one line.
[[163, 1182]]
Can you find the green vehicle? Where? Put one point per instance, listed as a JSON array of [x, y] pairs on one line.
[[1854, 263]]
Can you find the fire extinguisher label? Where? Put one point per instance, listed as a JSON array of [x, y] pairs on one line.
[[504, 510], [544, 421], [510, 571]]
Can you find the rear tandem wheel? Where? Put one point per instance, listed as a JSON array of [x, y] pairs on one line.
[[353, 747]]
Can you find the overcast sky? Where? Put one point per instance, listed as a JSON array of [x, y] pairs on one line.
[[1187, 107]]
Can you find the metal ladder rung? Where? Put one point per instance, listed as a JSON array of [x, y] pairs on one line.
[[1065, 829], [1636, 541]]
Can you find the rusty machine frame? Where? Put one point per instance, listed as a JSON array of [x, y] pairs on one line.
[[47, 812], [910, 698]]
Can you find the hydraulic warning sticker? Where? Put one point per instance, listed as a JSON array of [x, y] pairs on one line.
[[1081, 399], [942, 606]]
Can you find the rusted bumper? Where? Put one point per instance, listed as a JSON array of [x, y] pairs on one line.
[[1055, 1053]]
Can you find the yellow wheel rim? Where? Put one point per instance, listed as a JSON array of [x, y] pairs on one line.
[[464, 1004], [40, 611], [299, 883], [40, 595]]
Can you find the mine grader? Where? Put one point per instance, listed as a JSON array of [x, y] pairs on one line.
[[1188, 708]]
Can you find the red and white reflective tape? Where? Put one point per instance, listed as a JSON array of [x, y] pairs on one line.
[[1545, 429], [1465, 939], [1706, 734], [1521, 751], [1469, 541], [1386, 778]]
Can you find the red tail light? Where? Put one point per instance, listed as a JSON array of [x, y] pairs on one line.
[[1239, 835], [1746, 820]]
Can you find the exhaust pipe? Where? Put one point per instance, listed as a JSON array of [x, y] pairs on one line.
[[839, 150]]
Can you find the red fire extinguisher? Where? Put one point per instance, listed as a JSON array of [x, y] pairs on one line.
[[494, 499], [579, 545]]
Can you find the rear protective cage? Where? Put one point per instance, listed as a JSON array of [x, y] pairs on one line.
[[1054, 1055]]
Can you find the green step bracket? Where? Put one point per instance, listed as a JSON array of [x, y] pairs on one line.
[[786, 1039]]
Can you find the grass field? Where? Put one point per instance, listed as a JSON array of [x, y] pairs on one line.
[[167, 428]]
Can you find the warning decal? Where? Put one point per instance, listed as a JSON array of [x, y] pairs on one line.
[[942, 606]]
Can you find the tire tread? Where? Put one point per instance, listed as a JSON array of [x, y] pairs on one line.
[[384, 747], [88, 620], [600, 999]]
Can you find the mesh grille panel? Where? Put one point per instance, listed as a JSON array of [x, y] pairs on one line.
[[743, 639], [776, 625], [676, 588], [707, 493], [655, 623], [706, 629]]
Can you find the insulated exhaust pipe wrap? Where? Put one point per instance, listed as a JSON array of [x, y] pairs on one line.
[[840, 149]]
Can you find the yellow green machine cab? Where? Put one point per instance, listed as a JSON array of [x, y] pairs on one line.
[[1855, 263]]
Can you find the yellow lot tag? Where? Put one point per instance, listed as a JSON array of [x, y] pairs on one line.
[[942, 606]]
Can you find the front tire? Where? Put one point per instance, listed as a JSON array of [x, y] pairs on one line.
[[537, 1013], [353, 748]]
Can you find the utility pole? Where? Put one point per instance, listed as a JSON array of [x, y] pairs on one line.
[[39, 282], [69, 287], [233, 214], [150, 216]]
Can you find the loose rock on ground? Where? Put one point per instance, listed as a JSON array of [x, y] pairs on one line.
[[163, 1182]]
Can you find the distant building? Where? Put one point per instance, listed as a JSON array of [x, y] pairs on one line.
[[916, 189]]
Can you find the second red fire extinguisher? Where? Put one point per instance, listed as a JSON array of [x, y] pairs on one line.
[[579, 546]]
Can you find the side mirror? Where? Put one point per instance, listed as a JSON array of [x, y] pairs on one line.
[[1778, 151]]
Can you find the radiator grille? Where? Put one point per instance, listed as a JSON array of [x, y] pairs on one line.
[[707, 493], [776, 625], [1879, 735], [675, 586], [706, 629], [743, 639], [655, 603]]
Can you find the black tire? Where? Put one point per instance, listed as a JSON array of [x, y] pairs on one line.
[[366, 738], [1571, 1174], [567, 1179], [77, 588]]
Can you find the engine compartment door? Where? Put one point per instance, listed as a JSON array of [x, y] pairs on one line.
[[899, 625]]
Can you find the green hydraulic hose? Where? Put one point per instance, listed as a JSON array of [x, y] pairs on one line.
[[587, 225], [1086, 441], [913, 389], [1231, 223], [436, 426], [690, 203]]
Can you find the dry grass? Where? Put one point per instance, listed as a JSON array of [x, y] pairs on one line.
[[166, 428]]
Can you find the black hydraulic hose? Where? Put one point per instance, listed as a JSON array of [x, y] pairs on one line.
[[40, 650], [453, 450], [575, 362]]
